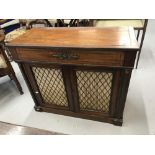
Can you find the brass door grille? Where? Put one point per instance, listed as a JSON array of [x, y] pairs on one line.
[[94, 90], [51, 85]]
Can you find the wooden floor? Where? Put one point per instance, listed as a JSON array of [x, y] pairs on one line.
[[11, 129]]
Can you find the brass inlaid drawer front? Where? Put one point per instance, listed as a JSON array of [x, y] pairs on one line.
[[107, 58], [51, 86], [94, 89]]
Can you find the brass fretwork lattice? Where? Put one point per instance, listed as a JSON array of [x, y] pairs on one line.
[[51, 85], [94, 90]]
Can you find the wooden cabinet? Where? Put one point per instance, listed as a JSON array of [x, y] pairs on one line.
[[80, 72]]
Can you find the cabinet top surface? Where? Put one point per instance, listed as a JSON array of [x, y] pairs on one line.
[[90, 37]]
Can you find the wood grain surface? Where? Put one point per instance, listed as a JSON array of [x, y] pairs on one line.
[[90, 37], [95, 57]]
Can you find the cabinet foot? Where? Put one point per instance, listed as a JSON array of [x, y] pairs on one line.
[[38, 108], [117, 122]]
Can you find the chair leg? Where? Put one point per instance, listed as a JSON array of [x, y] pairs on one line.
[[141, 43], [13, 77], [138, 34], [9, 56], [10, 77]]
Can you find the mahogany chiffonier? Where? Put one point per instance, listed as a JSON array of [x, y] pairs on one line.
[[80, 72]]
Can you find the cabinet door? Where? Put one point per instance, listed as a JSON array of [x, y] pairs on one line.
[[96, 90], [48, 84]]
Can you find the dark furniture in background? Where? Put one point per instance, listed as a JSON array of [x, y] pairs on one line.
[[87, 75], [9, 28], [5, 65], [72, 23]]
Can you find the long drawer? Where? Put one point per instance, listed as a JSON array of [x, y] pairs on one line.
[[71, 56]]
